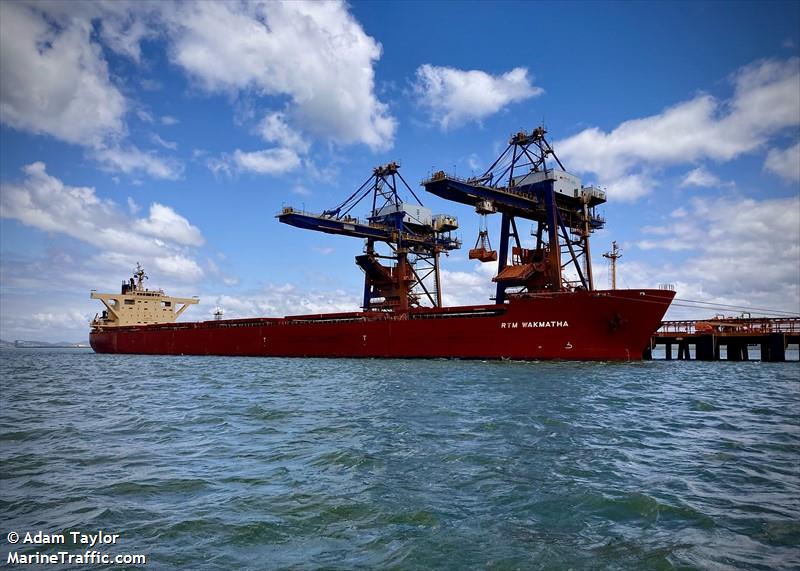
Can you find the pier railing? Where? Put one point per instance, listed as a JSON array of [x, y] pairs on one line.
[[730, 326]]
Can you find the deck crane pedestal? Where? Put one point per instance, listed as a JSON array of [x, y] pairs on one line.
[[519, 184], [414, 236]]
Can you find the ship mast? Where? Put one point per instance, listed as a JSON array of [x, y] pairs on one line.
[[613, 255]]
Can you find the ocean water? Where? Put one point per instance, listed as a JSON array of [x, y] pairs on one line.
[[246, 463]]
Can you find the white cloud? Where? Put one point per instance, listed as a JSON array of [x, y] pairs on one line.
[[43, 321], [267, 161], [314, 57], [455, 97], [672, 244], [315, 54], [703, 178], [784, 162], [131, 159], [55, 80], [766, 100], [69, 319], [219, 165], [469, 288], [273, 129], [739, 249], [144, 116], [133, 208], [166, 144], [276, 300], [632, 186], [122, 28], [46, 203], [165, 223], [178, 266]]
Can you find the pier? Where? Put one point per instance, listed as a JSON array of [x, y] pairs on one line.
[[736, 335]]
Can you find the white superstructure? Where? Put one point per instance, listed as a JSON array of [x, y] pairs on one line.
[[136, 305]]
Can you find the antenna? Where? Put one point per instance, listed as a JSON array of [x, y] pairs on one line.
[[613, 255], [140, 277]]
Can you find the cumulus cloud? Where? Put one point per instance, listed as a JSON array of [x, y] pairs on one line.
[[274, 129], [455, 97], [739, 249], [272, 161], [167, 224], [69, 319], [314, 58], [52, 323], [178, 265], [765, 101], [55, 80], [278, 300], [130, 160], [784, 162], [44, 202], [267, 161], [703, 178], [469, 288], [314, 54]]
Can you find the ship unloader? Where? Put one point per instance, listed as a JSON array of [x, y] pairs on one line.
[[545, 306]]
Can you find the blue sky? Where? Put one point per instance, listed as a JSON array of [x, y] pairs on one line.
[[172, 134]]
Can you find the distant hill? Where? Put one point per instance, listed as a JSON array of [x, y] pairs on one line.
[[21, 344]]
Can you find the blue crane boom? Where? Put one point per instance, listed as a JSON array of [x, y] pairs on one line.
[[349, 226], [519, 184], [415, 239]]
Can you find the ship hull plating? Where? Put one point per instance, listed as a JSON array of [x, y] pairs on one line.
[[604, 325]]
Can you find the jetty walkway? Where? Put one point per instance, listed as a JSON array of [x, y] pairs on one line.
[[736, 335]]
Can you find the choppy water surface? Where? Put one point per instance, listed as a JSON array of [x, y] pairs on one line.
[[238, 463]]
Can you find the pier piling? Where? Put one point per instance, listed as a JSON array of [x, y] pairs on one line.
[[773, 348]]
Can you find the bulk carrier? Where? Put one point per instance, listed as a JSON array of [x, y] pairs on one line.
[[545, 306]]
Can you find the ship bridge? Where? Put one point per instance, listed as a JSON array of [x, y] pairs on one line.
[[137, 305]]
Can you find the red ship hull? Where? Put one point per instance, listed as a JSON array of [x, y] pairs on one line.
[[600, 325]]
